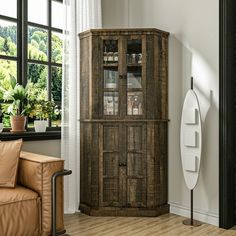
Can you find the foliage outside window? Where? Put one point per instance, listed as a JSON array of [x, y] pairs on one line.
[[38, 34]]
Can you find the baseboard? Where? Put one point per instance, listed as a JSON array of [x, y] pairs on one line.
[[206, 217]]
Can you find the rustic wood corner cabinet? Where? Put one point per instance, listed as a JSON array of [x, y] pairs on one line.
[[124, 122]]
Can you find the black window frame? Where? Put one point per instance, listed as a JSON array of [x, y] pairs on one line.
[[22, 59]]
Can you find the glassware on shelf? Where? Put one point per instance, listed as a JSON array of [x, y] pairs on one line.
[[140, 58], [116, 58], [133, 61], [129, 106], [111, 103], [110, 51], [110, 57], [135, 107], [105, 55], [134, 51], [134, 103], [134, 58]]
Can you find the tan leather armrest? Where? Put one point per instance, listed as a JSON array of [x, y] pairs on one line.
[[35, 172]]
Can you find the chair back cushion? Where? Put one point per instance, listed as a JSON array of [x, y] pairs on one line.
[[9, 159]]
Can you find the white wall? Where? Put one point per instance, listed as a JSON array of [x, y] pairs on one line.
[[193, 50], [47, 147]]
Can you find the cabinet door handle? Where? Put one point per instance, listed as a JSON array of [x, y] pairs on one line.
[[122, 163], [122, 76]]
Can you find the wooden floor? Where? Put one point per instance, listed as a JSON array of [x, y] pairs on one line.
[[166, 225]]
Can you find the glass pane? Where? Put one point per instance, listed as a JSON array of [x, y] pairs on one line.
[[6, 119], [110, 51], [134, 51], [111, 78], [110, 103], [37, 11], [56, 95], [8, 35], [37, 44], [57, 43], [134, 103], [8, 8], [56, 119], [134, 77], [57, 15], [38, 74], [7, 69], [56, 83]]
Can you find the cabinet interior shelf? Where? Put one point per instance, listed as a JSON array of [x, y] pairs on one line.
[[134, 65], [110, 65]]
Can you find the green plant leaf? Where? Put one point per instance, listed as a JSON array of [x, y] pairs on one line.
[[13, 81]]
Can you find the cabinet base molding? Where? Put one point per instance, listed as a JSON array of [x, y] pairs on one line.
[[122, 211]]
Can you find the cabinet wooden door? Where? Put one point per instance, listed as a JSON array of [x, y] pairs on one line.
[[110, 150], [136, 164], [122, 165]]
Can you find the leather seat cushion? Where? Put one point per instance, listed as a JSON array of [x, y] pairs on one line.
[[18, 206]]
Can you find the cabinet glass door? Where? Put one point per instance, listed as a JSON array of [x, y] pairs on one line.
[[110, 77], [134, 82]]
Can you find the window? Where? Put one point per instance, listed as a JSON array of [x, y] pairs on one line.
[[31, 48]]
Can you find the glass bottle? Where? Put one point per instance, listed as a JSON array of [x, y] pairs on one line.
[[105, 55], [115, 56], [136, 106], [110, 53], [110, 106], [129, 106]]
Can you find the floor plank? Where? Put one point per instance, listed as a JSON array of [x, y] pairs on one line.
[[165, 225]]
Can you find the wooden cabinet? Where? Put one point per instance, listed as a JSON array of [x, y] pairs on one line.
[[124, 121]]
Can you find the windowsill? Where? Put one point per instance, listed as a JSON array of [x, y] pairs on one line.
[[31, 135]]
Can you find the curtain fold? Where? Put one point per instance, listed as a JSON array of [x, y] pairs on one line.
[[80, 15]]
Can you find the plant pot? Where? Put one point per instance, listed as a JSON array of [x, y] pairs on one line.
[[17, 124], [1, 127], [40, 125]]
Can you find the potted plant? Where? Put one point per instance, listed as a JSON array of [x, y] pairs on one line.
[[42, 110], [1, 124], [17, 95], [37, 107]]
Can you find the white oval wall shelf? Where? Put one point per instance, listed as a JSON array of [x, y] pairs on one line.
[[191, 139]]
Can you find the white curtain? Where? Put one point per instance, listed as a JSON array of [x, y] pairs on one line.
[[80, 15]]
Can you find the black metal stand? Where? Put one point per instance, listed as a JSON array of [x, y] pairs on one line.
[[191, 221], [54, 195], [192, 83]]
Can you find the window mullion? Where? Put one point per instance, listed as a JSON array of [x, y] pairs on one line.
[[49, 84], [19, 41], [24, 40], [49, 47]]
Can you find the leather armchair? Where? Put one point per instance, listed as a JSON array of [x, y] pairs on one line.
[[26, 209]]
